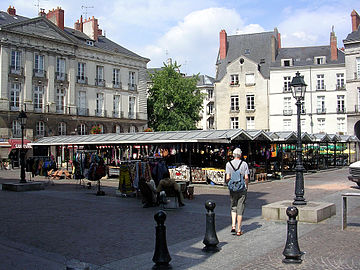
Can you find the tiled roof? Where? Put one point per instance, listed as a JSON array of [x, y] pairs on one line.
[[303, 56], [259, 46], [5, 18], [354, 36]]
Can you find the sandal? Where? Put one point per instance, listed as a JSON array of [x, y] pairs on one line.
[[239, 233], [233, 229]]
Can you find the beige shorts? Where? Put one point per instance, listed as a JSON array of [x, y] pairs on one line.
[[238, 200]]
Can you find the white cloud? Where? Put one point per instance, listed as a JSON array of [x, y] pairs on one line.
[[194, 42]]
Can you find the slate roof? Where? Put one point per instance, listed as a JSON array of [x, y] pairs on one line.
[[353, 36], [205, 80], [304, 56], [78, 37], [259, 45]]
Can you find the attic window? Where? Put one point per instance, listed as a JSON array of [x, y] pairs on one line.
[[320, 60], [262, 61], [247, 51], [286, 62], [90, 42]]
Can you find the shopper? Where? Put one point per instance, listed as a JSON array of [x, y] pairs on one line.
[[237, 171], [167, 182]]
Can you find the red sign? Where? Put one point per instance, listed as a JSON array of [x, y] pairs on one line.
[[16, 143]]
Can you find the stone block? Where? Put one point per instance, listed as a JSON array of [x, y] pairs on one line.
[[19, 187]]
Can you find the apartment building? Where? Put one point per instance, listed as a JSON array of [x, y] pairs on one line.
[[324, 109], [206, 86], [242, 79], [352, 63], [68, 80]]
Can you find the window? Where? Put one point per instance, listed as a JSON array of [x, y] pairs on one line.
[[101, 127], [357, 68], [321, 104], [247, 51], [210, 108], [287, 124], [320, 84], [341, 124], [302, 122], [99, 80], [117, 129], [211, 123], [340, 83], [302, 108], [234, 122], [90, 43], [132, 129], [99, 104], [15, 61], [321, 124], [38, 98], [82, 103], [287, 106], [81, 73], [250, 79], [234, 79], [39, 65], [234, 105], [250, 122], [40, 128], [132, 84], [81, 129], [340, 104], [116, 106], [250, 102], [286, 62], [357, 106], [132, 107], [262, 61], [62, 128], [320, 60], [116, 78], [15, 96], [287, 81], [60, 100], [16, 128], [210, 93], [60, 69]]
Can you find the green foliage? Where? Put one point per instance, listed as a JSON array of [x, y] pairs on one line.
[[174, 101]]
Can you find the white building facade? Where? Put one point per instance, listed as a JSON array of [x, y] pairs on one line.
[[324, 109], [206, 86]]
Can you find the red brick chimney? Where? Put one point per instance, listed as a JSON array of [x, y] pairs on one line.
[[333, 46], [57, 17], [11, 11], [91, 28], [78, 25], [355, 20], [223, 44]]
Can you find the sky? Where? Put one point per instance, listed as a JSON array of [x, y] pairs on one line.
[[187, 31]]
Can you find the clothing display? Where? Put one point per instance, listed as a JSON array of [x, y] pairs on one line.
[[40, 165]]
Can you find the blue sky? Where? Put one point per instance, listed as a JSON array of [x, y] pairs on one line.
[[188, 30]]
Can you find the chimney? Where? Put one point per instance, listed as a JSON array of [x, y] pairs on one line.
[[223, 44], [42, 12], [91, 28], [78, 25], [57, 17], [355, 20], [11, 11], [279, 41], [333, 46]]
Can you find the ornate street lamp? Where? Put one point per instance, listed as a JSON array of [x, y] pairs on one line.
[[298, 88], [22, 117]]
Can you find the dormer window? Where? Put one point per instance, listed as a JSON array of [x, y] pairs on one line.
[[320, 60], [286, 62], [247, 51], [90, 42]]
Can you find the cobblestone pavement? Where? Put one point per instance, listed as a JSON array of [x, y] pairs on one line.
[[45, 229]]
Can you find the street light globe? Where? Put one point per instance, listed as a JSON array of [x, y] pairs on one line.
[[298, 86]]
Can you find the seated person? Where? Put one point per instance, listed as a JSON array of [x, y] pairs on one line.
[[148, 192], [168, 182]]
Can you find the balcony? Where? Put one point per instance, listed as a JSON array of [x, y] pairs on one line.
[[82, 111], [100, 112], [340, 87], [340, 110], [99, 82], [287, 112], [15, 70], [60, 109], [234, 83], [39, 73], [132, 86], [118, 114], [38, 109], [82, 79], [321, 110], [131, 115], [117, 85], [14, 107], [320, 87], [249, 109], [61, 77]]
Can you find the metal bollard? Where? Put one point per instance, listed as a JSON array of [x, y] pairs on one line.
[[161, 256], [210, 239], [292, 251]]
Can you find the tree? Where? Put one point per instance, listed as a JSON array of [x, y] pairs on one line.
[[174, 101]]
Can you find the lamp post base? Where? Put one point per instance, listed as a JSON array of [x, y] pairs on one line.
[[299, 201]]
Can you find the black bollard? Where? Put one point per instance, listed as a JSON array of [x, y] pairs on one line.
[[161, 256], [292, 251], [210, 239]]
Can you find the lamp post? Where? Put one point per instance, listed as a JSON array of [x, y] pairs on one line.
[[298, 88], [22, 117]]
